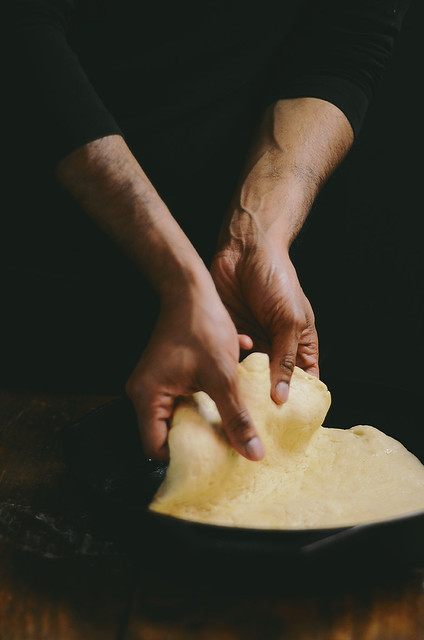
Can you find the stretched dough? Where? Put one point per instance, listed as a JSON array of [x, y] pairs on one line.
[[311, 476]]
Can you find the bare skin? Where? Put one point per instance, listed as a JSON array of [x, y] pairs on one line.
[[195, 343], [299, 144], [251, 298]]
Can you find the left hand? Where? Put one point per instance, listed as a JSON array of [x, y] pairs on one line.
[[261, 291]]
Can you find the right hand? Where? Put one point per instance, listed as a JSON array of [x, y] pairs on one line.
[[260, 289], [194, 347]]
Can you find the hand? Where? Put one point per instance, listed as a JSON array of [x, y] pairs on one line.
[[260, 289], [194, 347]]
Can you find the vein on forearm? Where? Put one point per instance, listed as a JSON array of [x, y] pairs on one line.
[[298, 146]]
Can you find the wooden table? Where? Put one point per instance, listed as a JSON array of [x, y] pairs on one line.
[[62, 579]]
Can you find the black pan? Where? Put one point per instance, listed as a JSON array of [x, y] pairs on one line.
[[104, 453]]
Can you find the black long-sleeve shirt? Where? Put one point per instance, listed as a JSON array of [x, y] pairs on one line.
[[184, 82], [88, 68]]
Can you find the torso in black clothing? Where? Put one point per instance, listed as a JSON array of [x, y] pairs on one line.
[[167, 60]]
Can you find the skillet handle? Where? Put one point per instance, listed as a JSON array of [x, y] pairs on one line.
[[390, 543], [331, 542]]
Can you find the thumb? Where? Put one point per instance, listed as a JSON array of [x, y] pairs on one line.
[[153, 410], [237, 422], [282, 363]]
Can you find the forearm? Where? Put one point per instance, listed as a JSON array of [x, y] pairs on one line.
[[299, 144], [110, 186]]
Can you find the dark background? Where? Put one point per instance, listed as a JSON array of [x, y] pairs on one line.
[[67, 322], [359, 256]]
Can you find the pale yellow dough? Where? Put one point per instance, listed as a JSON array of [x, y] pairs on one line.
[[311, 476]]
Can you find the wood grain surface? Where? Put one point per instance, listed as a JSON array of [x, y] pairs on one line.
[[61, 578]]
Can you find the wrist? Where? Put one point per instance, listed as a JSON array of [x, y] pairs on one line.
[[177, 271], [273, 224], [185, 280], [269, 206]]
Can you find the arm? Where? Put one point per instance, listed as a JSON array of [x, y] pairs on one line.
[[299, 144], [111, 187], [70, 127], [324, 79]]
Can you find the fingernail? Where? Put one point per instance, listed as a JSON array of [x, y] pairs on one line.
[[254, 449], [282, 391]]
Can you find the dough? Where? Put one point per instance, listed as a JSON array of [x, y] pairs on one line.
[[310, 477]]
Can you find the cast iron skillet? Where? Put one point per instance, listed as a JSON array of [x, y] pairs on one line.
[[104, 453]]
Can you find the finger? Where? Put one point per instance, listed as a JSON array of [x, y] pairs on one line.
[[245, 342], [153, 423], [282, 363], [153, 410], [237, 422], [308, 353]]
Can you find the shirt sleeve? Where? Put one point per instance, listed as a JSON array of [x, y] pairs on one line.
[[339, 53], [52, 101]]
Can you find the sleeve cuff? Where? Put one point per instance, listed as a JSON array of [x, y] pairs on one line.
[[345, 95]]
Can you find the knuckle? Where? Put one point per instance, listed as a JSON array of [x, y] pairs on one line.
[[298, 323], [309, 327], [239, 425], [310, 319], [291, 321], [309, 349], [287, 363], [298, 317]]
